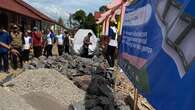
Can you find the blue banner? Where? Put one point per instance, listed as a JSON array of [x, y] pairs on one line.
[[160, 62]]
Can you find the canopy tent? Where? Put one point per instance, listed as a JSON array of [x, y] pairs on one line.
[[78, 41]]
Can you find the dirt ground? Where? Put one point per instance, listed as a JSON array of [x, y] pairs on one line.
[[43, 101], [41, 89]]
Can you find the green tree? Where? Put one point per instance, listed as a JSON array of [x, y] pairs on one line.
[[80, 17], [85, 22], [90, 23], [103, 9], [61, 21]]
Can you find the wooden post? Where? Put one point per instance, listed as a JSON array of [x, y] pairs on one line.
[[116, 73], [135, 91], [135, 99]]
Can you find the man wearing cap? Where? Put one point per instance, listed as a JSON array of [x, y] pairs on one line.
[[37, 42], [16, 44]]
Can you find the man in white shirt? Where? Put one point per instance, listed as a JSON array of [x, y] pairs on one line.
[[113, 44], [60, 42], [27, 43], [50, 40]]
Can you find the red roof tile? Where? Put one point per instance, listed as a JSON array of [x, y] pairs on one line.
[[20, 7], [13, 6], [43, 16]]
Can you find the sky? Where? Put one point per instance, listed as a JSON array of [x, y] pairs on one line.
[[63, 8]]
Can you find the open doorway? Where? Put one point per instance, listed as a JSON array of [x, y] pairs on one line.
[[3, 20]]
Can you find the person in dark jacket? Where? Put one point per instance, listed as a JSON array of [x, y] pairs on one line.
[[66, 43], [86, 43], [5, 40]]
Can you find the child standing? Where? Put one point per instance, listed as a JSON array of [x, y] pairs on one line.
[[27, 43]]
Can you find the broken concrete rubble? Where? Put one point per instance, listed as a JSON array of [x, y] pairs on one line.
[[89, 75], [97, 81], [65, 64], [101, 91], [100, 94]]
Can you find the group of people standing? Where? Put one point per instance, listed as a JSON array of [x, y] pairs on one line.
[[17, 45]]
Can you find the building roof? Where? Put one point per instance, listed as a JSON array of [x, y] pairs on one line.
[[43, 16], [20, 7]]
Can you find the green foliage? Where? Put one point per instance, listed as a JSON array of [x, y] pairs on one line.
[[90, 23], [103, 9], [79, 16], [86, 22], [61, 21]]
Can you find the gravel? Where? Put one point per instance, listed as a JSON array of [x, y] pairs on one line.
[[48, 82], [12, 101]]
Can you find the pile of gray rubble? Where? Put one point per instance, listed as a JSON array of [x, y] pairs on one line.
[[90, 75]]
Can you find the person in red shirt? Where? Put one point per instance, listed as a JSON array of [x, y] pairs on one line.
[[37, 42]]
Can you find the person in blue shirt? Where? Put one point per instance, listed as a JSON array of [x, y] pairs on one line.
[[50, 42], [5, 40]]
